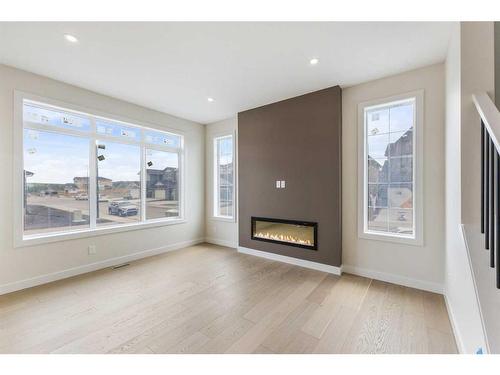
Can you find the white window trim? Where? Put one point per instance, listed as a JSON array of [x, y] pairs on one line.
[[21, 240], [418, 211], [215, 188]]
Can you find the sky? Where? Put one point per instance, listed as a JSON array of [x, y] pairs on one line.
[[57, 158], [225, 150], [386, 126]]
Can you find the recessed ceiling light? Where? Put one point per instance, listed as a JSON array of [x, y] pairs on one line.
[[71, 38], [210, 99], [314, 61]]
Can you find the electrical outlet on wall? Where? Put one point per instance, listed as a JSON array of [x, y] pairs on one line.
[[92, 250]]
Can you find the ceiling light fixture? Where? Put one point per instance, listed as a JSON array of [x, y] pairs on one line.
[[314, 61], [210, 99], [71, 38]]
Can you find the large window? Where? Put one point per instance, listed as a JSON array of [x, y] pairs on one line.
[[390, 132], [84, 173], [224, 177]]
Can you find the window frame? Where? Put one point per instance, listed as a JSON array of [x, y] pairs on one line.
[[22, 240], [215, 184], [418, 203]]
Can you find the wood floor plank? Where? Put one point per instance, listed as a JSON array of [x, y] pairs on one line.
[[261, 349], [348, 291], [440, 342], [301, 343], [190, 344], [221, 342], [290, 328], [323, 290], [436, 316], [336, 333], [252, 339], [413, 332], [389, 326], [281, 290], [362, 337]]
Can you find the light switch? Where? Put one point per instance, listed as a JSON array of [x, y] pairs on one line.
[[278, 184], [282, 184]]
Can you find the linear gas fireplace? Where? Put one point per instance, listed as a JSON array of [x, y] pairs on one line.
[[289, 232]]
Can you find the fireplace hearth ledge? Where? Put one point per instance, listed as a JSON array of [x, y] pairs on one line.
[[295, 261]]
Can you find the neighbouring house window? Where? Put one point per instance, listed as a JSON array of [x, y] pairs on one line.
[[390, 133], [224, 177], [81, 172]]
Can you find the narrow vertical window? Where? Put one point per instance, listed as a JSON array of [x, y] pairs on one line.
[[390, 162], [224, 177]]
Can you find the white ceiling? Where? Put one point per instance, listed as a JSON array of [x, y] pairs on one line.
[[174, 67]]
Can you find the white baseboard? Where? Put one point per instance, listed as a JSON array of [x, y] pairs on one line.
[[394, 279], [47, 278], [298, 262], [454, 326], [219, 242]]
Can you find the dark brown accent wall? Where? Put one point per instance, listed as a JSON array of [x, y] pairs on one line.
[[297, 140]]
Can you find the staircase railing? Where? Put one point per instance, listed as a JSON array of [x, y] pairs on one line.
[[490, 177]]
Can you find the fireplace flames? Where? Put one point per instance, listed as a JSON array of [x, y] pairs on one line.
[[283, 238]]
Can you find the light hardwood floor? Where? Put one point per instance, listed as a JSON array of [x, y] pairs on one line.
[[211, 299]]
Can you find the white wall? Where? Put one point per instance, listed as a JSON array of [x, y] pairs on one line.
[[477, 75], [24, 264], [219, 231], [459, 285], [419, 266]]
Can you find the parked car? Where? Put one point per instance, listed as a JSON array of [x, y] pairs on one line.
[[82, 197], [103, 198], [122, 208]]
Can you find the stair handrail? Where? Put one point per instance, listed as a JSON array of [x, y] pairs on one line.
[[489, 115]]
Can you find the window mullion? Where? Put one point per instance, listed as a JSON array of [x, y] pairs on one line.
[[143, 183], [218, 178], [92, 179]]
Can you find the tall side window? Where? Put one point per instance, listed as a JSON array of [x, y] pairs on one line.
[[224, 177], [80, 173], [390, 156]]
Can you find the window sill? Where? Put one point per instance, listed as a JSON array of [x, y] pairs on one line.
[[394, 238], [224, 219], [77, 234]]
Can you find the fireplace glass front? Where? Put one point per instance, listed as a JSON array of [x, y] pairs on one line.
[[289, 232]]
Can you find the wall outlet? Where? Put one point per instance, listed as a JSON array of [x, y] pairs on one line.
[[92, 250], [282, 184], [278, 184]]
